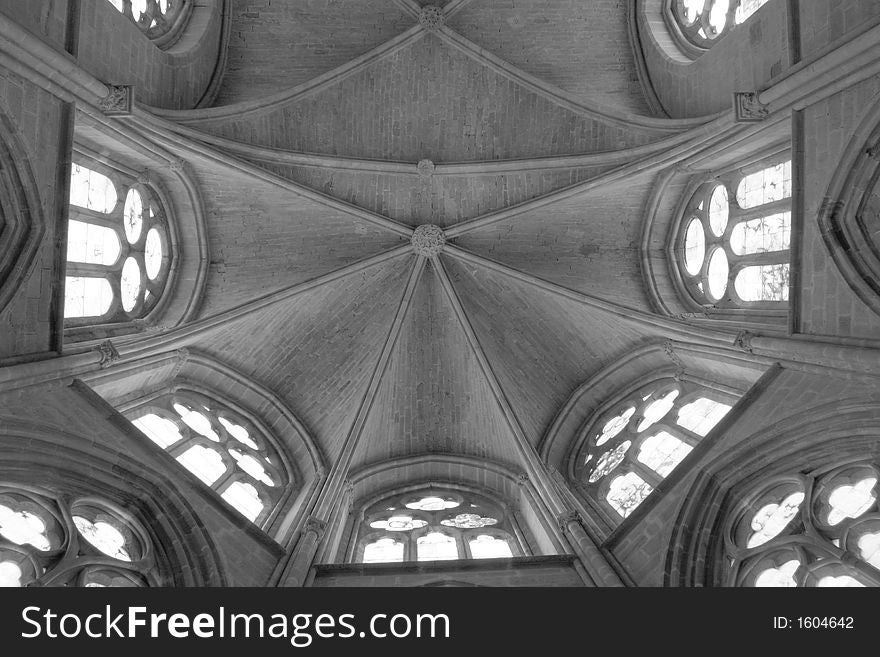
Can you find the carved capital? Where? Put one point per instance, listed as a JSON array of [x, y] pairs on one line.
[[747, 108], [108, 352], [177, 164], [431, 17], [315, 525], [566, 518], [522, 479], [119, 101]]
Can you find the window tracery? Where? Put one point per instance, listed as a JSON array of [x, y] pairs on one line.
[[118, 249], [821, 530], [703, 22], [732, 250], [81, 542], [435, 525], [218, 445], [155, 18], [637, 442]]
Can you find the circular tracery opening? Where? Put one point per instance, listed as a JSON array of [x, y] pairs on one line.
[[432, 525], [777, 539], [118, 253], [703, 22], [52, 542], [220, 447], [631, 447], [732, 247]]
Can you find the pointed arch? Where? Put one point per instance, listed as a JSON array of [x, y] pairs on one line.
[[802, 450], [79, 472], [248, 421], [849, 218], [22, 223]]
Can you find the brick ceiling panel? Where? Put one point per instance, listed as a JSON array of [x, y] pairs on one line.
[[426, 100], [317, 350], [581, 47], [540, 346], [434, 396], [444, 200], [263, 237], [274, 45], [588, 243]]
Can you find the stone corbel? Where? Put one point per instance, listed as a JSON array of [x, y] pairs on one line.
[[108, 352], [119, 101], [747, 108], [743, 340]]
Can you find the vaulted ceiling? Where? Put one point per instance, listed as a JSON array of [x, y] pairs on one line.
[[519, 127]]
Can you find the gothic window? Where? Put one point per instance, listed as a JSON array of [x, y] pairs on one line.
[[817, 530], [155, 18], [637, 442], [223, 449], [703, 22], [435, 525], [732, 250], [118, 251], [84, 542]]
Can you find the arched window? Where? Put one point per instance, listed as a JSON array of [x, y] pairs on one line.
[[84, 542], [817, 530], [435, 525], [155, 18], [732, 246], [118, 250], [703, 22], [226, 451], [632, 446]]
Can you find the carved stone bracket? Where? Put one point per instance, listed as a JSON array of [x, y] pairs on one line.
[[119, 101], [108, 352], [743, 340], [177, 164], [747, 108], [522, 479], [669, 350], [431, 17], [182, 357]]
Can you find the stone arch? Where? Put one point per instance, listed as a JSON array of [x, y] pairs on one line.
[[190, 370], [71, 465], [828, 436], [22, 223], [849, 219]]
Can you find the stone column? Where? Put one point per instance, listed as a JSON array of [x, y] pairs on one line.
[[594, 562], [297, 570]]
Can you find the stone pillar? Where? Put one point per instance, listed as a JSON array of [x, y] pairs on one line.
[[594, 562], [301, 561]]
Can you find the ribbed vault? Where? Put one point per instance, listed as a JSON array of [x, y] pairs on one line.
[[343, 126]]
